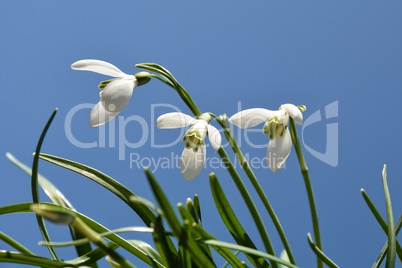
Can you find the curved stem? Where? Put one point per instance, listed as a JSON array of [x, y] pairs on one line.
[[309, 188], [173, 83], [253, 179]]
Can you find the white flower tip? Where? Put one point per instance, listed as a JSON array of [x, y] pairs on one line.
[[79, 64], [191, 162], [274, 168], [293, 112], [250, 117], [99, 116], [98, 66], [174, 120], [188, 176], [214, 137]]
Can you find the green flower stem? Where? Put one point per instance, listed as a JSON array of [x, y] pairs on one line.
[[250, 174], [249, 202], [171, 81], [309, 188], [189, 101]]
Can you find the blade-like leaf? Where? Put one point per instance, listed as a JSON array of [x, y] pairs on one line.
[[230, 257], [231, 221], [197, 208], [115, 231], [384, 249], [391, 253], [133, 249], [10, 241], [26, 259], [180, 232], [58, 198], [34, 183], [380, 220], [168, 254], [187, 216], [321, 254], [104, 180], [248, 251]]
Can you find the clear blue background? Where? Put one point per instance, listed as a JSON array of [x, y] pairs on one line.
[[259, 53]]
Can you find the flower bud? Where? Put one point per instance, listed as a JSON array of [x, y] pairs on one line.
[[53, 214], [302, 108], [143, 78]]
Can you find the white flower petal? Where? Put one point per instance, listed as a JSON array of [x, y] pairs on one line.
[[214, 137], [174, 120], [191, 163], [98, 66], [251, 117], [293, 112], [100, 116], [278, 151], [116, 95]]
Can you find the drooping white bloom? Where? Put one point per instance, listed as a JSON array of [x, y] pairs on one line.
[[276, 126], [194, 153], [116, 92]]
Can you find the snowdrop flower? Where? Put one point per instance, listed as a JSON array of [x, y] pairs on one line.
[[194, 155], [116, 92], [276, 126]]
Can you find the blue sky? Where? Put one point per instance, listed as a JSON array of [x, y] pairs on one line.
[[259, 54]]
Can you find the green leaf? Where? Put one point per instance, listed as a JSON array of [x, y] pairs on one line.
[[191, 209], [391, 256], [380, 220], [34, 184], [180, 232], [98, 253], [184, 258], [58, 198], [10, 241], [321, 254], [187, 217], [197, 208], [384, 249], [26, 259], [231, 221], [230, 257], [247, 250], [114, 231], [104, 180], [133, 249], [167, 253]]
